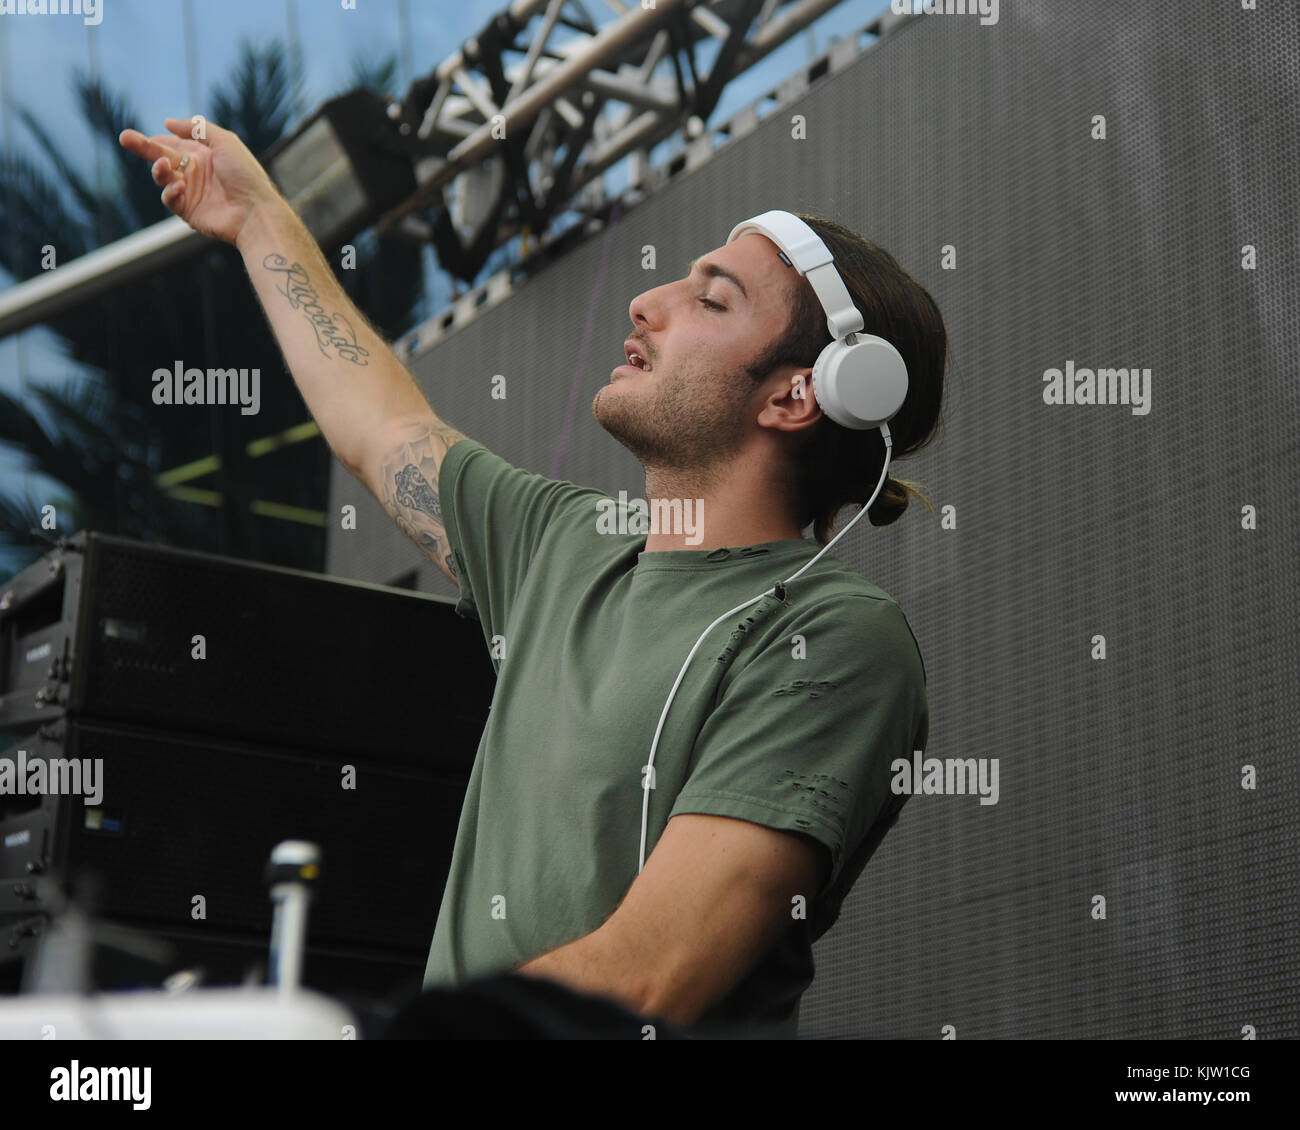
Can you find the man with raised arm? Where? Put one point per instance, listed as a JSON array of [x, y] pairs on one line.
[[771, 785]]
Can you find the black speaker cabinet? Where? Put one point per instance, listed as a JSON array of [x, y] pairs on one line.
[[108, 628], [184, 827]]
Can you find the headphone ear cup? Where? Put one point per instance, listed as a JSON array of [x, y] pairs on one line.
[[862, 385]]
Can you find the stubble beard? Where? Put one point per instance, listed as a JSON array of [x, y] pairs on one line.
[[689, 422]]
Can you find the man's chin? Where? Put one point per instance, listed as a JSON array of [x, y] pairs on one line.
[[608, 407], [608, 420], [621, 426]]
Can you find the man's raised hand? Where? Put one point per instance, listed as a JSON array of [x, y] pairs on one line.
[[222, 185]]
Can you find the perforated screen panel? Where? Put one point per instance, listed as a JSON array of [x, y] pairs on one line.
[[1161, 778]]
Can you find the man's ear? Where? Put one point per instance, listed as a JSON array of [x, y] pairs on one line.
[[789, 404], [800, 403]]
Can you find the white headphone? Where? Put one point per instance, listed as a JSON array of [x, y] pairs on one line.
[[859, 380]]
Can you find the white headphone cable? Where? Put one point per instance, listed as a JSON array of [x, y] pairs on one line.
[[647, 770]]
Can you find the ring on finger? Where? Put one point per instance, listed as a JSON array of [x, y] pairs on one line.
[[185, 160]]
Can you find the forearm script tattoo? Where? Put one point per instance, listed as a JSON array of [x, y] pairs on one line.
[[410, 488], [333, 331]]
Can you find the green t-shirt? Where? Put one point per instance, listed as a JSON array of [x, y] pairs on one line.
[[789, 716]]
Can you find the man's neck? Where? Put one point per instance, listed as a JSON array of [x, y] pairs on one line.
[[716, 512]]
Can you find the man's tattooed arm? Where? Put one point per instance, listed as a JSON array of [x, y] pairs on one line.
[[407, 485], [335, 334]]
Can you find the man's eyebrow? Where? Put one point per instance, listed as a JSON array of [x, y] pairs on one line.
[[717, 271]]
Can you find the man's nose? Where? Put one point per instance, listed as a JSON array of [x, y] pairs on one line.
[[648, 307]]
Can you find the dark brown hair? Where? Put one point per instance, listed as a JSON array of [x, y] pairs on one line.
[[833, 466]]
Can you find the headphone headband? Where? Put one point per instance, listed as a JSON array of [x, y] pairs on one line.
[[811, 257]]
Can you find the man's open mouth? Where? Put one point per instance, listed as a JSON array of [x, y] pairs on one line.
[[635, 358]]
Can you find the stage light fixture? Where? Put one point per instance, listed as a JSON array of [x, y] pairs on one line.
[[343, 167]]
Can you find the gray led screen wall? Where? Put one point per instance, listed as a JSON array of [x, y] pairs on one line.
[[1112, 613]]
